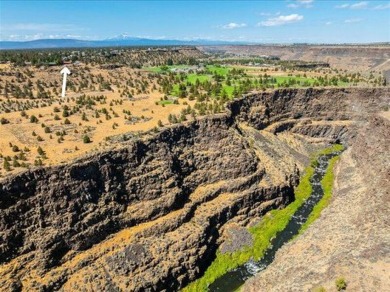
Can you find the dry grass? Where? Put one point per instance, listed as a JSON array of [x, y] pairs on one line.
[[19, 130]]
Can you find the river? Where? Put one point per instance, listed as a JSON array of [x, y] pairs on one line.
[[233, 279]]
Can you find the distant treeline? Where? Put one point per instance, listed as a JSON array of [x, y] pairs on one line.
[[132, 57]]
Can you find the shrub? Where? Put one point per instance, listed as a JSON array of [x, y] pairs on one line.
[[6, 165], [15, 163], [84, 117], [341, 284], [47, 130], [67, 122], [22, 156], [40, 151], [33, 119], [4, 121], [15, 148], [86, 139]]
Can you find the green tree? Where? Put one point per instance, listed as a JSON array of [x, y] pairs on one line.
[[169, 62], [40, 151], [15, 162], [86, 139], [4, 121], [33, 119], [6, 165]]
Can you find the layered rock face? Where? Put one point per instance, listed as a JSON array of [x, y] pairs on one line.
[[150, 216], [351, 238]]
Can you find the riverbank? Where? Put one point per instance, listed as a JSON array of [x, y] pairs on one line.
[[272, 224], [351, 238]]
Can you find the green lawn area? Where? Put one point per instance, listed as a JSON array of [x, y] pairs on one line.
[[165, 102], [219, 70], [229, 89], [343, 84], [281, 79], [193, 77], [175, 90]]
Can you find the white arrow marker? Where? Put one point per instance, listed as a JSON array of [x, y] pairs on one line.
[[65, 71]]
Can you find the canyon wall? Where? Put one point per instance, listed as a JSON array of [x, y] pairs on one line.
[[150, 216], [350, 239]]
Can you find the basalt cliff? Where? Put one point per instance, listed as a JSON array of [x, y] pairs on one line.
[[151, 215]]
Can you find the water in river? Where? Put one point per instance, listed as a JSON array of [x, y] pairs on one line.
[[232, 280]]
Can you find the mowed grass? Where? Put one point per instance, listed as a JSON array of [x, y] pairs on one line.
[[272, 223], [201, 77], [281, 79], [218, 69], [229, 89], [165, 102]]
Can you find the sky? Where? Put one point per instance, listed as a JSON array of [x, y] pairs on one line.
[[283, 21]]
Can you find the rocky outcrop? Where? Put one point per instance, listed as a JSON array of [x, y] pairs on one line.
[[350, 239], [149, 216]]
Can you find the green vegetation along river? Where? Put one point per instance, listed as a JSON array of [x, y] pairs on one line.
[[229, 271]]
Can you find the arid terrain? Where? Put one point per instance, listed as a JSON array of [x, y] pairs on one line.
[[351, 239], [156, 157], [350, 57], [115, 95]]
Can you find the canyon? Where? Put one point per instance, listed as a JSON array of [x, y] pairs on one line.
[[151, 215]]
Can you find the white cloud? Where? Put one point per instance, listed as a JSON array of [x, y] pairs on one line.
[[353, 20], [233, 25], [358, 5], [37, 36], [342, 6], [293, 5], [329, 23], [300, 3], [281, 20], [305, 1], [382, 7], [42, 27]]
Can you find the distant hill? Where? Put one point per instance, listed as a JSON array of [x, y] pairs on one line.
[[120, 41]]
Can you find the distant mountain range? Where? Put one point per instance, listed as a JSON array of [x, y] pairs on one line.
[[124, 40], [119, 41]]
